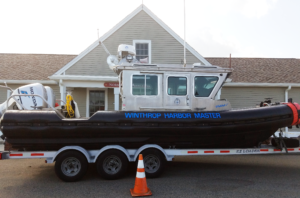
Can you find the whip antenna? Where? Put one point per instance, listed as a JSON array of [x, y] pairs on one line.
[[111, 60], [102, 44], [184, 60]]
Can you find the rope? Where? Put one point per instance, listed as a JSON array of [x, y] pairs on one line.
[[69, 108]]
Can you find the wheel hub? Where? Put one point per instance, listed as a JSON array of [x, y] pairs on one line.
[[152, 163], [112, 164], [71, 166]]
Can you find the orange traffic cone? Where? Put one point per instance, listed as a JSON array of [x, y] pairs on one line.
[[140, 187]]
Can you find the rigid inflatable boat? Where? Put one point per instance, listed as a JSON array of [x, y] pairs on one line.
[[173, 106]]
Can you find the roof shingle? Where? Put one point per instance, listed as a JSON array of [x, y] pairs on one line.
[[31, 66], [249, 70], [261, 70]]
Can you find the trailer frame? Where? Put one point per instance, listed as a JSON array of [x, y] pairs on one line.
[[131, 155]]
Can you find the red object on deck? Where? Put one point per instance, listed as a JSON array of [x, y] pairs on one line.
[[56, 104]]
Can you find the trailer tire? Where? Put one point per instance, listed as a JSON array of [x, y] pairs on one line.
[[154, 162], [112, 164], [70, 166]]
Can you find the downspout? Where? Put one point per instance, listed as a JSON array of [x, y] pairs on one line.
[[286, 100]]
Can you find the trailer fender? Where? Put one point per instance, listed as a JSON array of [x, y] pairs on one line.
[[147, 146], [120, 148], [66, 148]]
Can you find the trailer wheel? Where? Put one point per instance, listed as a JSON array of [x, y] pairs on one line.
[[112, 164], [154, 162], [70, 166]]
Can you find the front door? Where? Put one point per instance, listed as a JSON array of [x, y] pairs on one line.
[[177, 91], [96, 101]]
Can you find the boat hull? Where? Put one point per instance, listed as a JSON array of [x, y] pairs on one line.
[[40, 130]]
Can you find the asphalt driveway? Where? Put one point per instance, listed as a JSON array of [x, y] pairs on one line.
[[192, 176]]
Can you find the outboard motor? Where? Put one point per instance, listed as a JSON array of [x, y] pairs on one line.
[[29, 102]]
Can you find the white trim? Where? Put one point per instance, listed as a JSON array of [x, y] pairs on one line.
[[63, 92], [149, 47], [118, 26], [84, 78], [88, 99], [237, 84], [84, 84], [52, 82]]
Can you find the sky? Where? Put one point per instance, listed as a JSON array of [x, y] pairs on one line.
[[215, 28]]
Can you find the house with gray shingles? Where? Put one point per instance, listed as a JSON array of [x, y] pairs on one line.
[[93, 84]]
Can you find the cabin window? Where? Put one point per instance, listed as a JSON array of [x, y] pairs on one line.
[[204, 85], [177, 86], [143, 50], [97, 101], [144, 85]]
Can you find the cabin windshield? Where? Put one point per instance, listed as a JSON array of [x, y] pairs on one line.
[[204, 85], [144, 85]]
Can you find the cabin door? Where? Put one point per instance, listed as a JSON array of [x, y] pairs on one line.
[[146, 92], [177, 91]]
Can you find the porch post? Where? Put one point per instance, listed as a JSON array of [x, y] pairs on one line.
[[116, 94], [63, 91]]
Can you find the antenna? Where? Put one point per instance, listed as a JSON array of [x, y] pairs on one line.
[[184, 60], [111, 60], [102, 44], [230, 61]]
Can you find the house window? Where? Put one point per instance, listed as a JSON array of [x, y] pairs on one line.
[[144, 85], [96, 101], [143, 50]]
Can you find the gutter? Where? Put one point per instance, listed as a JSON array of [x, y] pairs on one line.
[[51, 82], [286, 94], [84, 78], [240, 84]]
